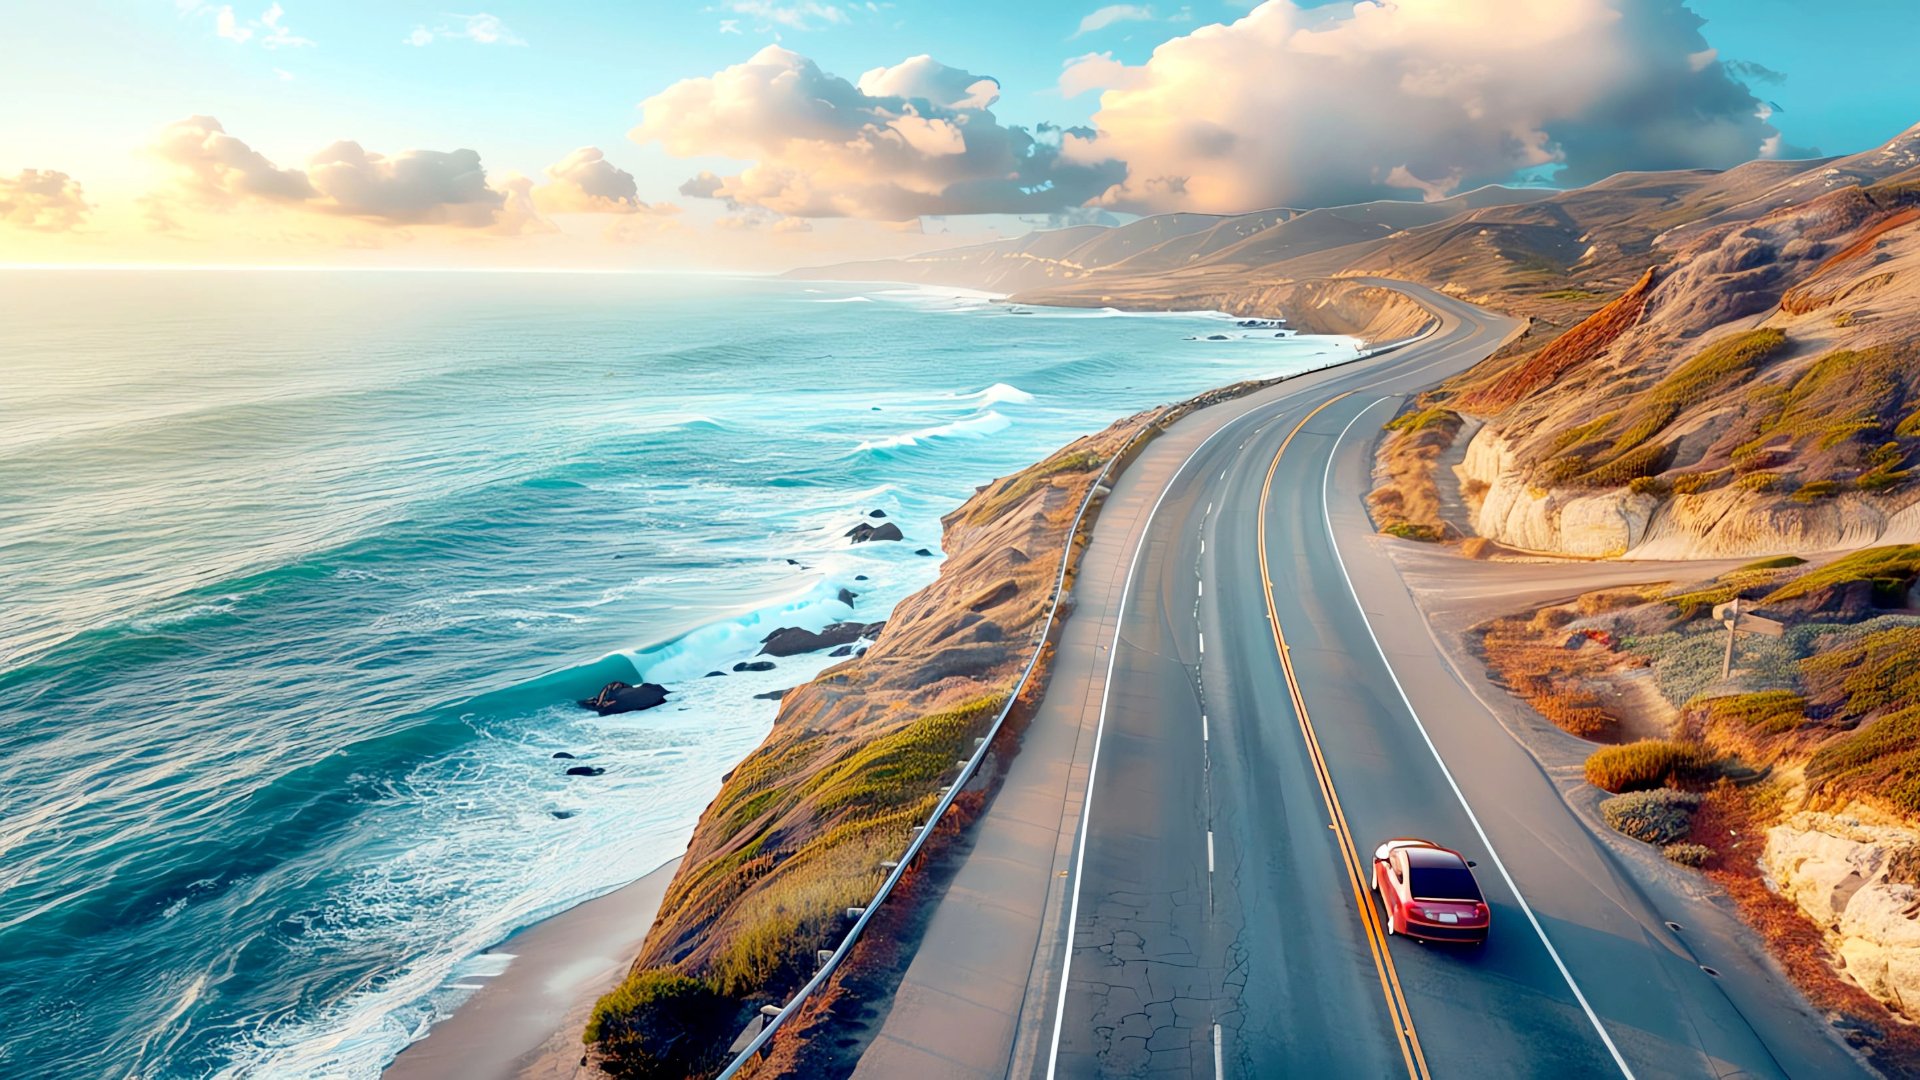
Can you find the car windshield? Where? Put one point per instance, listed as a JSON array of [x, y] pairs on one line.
[[1442, 883]]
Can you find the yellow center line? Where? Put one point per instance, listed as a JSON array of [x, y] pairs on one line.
[[1408, 1039]]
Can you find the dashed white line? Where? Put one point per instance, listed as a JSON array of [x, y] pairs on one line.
[[1326, 509], [1201, 589], [1209, 507], [1203, 547], [1203, 643], [1203, 727], [1218, 1072], [1209, 851]]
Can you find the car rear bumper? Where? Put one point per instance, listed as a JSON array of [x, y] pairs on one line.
[[1442, 932]]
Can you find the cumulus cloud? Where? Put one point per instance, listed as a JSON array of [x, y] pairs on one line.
[[481, 29], [787, 14], [1101, 18], [413, 187], [214, 167], [42, 200], [915, 138], [585, 182], [1330, 105], [703, 185]]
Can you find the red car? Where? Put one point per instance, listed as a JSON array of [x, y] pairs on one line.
[[1429, 892]]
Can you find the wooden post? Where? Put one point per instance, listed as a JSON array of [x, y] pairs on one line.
[[1733, 628]]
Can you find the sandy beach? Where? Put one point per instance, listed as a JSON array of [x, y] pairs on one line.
[[526, 1022]]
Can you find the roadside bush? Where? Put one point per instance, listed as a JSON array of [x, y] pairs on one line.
[[661, 1025], [1694, 855], [1659, 817], [1892, 570], [1767, 712], [1648, 763], [1407, 530]]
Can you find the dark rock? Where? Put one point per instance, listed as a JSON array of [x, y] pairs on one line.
[[864, 533], [792, 640], [1217, 337], [795, 562], [861, 651], [847, 596], [859, 577], [618, 697], [564, 755], [772, 695], [877, 514], [923, 551], [585, 770], [757, 665], [844, 650], [563, 814], [714, 675]]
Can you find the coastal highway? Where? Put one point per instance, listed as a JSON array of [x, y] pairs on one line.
[[1247, 701]]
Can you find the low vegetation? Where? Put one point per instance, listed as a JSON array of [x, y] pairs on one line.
[[661, 1025], [1649, 763], [1891, 570], [1407, 501], [1659, 817]]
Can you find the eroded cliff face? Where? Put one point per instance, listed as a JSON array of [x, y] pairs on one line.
[[1855, 879], [1758, 395]]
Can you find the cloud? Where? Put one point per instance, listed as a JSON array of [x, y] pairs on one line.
[[915, 138], [481, 29], [216, 168], [42, 200], [585, 182], [703, 185], [788, 14], [1332, 105], [267, 29], [413, 187], [1113, 13]]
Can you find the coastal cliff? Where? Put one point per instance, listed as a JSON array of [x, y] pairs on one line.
[[857, 757]]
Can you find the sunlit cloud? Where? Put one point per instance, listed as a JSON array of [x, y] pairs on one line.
[[915, 138], [42, 200], [1104, 17], [269, 31]]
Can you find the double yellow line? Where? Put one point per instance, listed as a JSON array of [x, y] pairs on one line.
[[1357, 872]]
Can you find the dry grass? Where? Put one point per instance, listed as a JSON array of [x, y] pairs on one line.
[[1649, 763], [1406, 503], [1892, 571], [1529, 660], [1577, 347]]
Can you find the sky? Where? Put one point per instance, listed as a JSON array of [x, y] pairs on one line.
[[759, 134]]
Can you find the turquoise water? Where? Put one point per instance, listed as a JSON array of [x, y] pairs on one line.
[[300, 574]]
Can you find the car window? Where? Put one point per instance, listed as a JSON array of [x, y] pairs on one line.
[[1443, 883]]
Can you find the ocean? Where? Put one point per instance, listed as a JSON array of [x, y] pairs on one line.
[[302, 573]]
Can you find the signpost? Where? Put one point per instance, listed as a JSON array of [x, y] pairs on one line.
[[1739, 622]]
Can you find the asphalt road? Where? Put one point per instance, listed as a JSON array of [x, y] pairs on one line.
[[1253, 744]]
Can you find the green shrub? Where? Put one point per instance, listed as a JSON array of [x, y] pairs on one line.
[[1658, 817], [1715, 368], [1777, 562], [662, 1025], [1767, 712], [1648, 763], [1422, 419], [1694, 855], [1879, 763], [1817, 489], [1839, 396], [1641, 461], [1759, 481], [1892, 570], [1650, 485], [1694, 483], [1407, 530]]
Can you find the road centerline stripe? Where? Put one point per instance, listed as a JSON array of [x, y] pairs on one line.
[[1326, 485], [1404, 1033]]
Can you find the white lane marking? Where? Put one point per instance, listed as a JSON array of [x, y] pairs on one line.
[[1203, 727], [1203, 642], [1203, 547], [1201, 590], [1217, 1071], [1099, 733], [1326, 509], [1209, 851], [1209, 506], [1223, 472]]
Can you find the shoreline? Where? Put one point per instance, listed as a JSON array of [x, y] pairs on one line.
[[526, 1021]]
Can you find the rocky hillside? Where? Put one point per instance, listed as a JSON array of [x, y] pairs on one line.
[[857, 758]]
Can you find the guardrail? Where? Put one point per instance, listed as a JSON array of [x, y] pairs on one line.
[[922, 832], [925, 830]]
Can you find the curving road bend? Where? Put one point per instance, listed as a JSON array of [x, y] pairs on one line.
[[1253, 743]]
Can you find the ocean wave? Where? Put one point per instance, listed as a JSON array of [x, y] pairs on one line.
[[975, 427], [846, 300], [1000, 394]]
